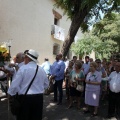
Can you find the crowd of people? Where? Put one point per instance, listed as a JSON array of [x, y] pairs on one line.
[[94, 81], [90, 80]]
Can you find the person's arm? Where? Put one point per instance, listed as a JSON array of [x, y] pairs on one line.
[[15, 85], [70, 78], [97, 82], [93, 82]]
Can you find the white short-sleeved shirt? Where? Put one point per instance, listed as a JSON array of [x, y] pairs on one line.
[[114, 82]]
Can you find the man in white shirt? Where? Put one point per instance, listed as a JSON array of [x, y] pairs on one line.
[[114, 93], [32, 104], [46, 66]]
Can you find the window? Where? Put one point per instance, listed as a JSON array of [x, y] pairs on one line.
[[57, 17], [56, 49], [55, 21]]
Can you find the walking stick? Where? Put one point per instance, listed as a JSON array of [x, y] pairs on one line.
[[8, 85]]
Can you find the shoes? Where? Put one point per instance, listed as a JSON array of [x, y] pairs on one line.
[[86, 111], [94, 114], [59, 103]]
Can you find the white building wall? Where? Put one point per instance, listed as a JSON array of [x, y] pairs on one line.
[[28, 24]]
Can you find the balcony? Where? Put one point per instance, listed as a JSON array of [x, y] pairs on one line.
[[57, 32]]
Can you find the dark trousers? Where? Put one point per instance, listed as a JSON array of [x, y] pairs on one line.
[[114, 104], [58, 86], [32, 107]]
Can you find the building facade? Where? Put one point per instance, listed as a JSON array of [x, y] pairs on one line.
[[33, 24]]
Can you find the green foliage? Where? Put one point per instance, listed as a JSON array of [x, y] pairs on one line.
[[92, 43], [93, 7], [108, 28]]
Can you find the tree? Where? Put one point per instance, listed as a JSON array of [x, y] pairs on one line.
[[92, 43], [80, 12], [108, 28]]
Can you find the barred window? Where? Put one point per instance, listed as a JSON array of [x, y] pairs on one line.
[[56, 49]]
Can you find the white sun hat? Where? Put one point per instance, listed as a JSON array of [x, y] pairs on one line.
[[32, 54]]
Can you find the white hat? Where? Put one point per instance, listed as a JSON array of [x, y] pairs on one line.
[[32, 54]]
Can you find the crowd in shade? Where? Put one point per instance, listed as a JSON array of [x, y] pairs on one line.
[[89, 81]]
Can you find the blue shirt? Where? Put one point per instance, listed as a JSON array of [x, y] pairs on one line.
[[86, 67], [57, 69]]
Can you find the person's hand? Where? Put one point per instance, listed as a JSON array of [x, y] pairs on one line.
[[52, 77], [12, 65]]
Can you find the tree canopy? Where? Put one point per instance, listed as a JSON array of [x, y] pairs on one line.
[[91, 43], [81, 12]]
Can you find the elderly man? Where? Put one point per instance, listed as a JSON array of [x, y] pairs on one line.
[[114, 93], [32, 103], [46, 66], [13, 67], [57, 72]]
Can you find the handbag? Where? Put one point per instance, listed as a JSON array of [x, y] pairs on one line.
[[16, 101], [80, 88]]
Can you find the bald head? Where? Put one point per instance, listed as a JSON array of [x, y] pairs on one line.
[[20, 57], [59, 57]]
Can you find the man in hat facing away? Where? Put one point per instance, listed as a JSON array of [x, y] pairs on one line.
[[32, 104]]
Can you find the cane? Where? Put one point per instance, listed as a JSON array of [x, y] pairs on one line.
[[8, 85]]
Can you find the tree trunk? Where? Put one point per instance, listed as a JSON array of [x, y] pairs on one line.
[[75, 25]]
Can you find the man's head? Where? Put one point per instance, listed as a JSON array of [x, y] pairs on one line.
[[91, 59], [20, 57], [98, 61], [58, 57], [31, 55], [74, 58], [104, 60], [117, 66], [86, 59], [46, 59]]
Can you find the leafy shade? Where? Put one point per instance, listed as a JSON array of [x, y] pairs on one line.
[[92, 43]]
